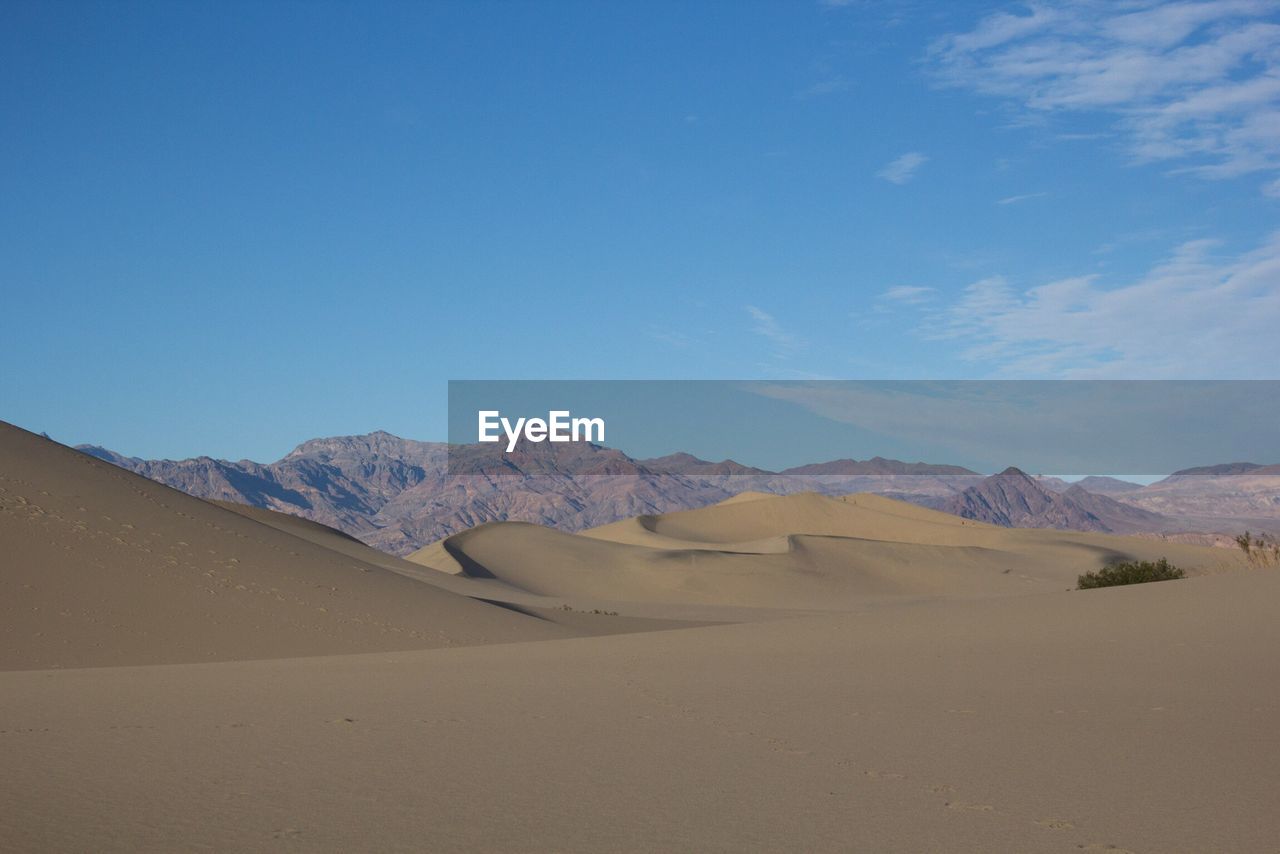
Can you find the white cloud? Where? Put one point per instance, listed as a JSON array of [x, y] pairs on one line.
[[1194, 315], [768, 328], [908, 294], [1194, 83], [902, 169], [1013, 200]]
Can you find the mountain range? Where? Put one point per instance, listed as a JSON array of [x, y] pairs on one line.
[[400, 494]]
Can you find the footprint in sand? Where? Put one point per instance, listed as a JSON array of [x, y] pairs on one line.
[[1055, 823]]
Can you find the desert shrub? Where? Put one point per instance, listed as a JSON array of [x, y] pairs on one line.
[[1258, 551], [1130, 572]]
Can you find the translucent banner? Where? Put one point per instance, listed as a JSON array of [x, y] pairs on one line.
[[962, 427]]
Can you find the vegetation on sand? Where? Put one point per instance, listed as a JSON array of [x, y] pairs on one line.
[[1258, 551], [1130, 572]]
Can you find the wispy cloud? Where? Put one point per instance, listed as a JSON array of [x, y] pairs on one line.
[[903, 168], [1013, 200], [1194, 83], [827, 86], [1194, 315], [908, 294], [767, 327]]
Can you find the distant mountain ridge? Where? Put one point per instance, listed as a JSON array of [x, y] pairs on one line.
[[1103, 485], [1229, 468], [877, 466], [682, 463], [400, 494]]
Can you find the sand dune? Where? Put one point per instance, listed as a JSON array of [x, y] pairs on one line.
[[803, 551], [103, 567], [762, 516], [892, 679]]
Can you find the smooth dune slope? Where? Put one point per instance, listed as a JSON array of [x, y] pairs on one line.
[[436, 556], [103, 567], [1135, 719], [802, 551], [729, 523], [329, 538], [308, 529]]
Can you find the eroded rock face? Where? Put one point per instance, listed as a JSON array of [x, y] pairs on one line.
[[1013, 499]]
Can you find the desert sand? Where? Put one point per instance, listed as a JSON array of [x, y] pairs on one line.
[[770, 673]]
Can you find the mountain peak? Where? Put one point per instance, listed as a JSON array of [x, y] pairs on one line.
[[377, 441], [1013, 500]]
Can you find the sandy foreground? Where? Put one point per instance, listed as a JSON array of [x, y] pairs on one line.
[[809, 674]]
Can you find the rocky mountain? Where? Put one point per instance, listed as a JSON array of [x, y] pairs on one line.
[[1226, 468], [342, 482], [1103, 485], [1053, 484], [683, 463], [1099, 484], [1118, 517], [1234, 496], [1013, 499]]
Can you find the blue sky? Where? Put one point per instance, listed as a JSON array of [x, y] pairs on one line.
[[228, 228]]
